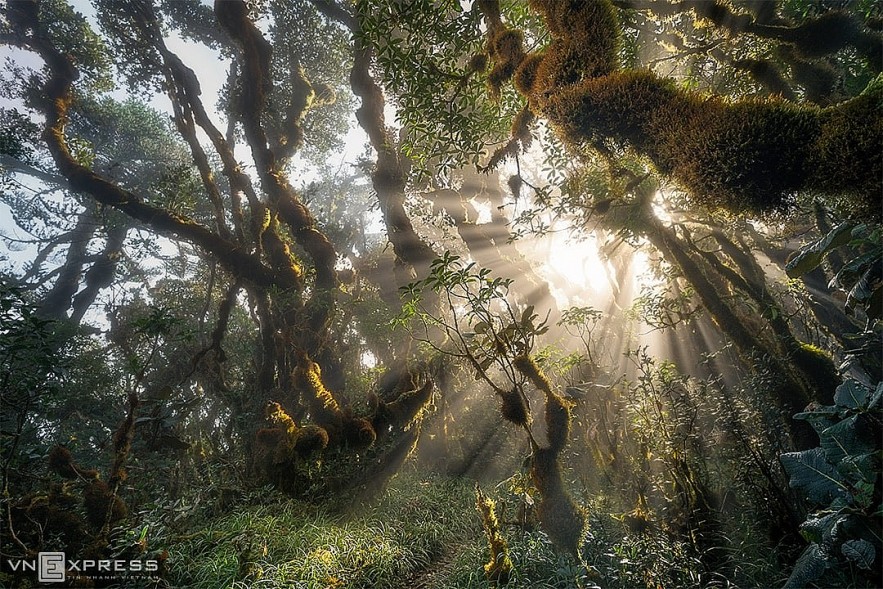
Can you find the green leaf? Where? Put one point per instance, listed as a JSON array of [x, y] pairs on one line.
[[821, 418], [811, 565], [852, 394], [876, 401], [810, 256], [815, 476], [866, 291], [861, 552], [820, 529], [851, 437]]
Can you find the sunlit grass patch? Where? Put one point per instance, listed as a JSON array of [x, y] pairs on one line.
[[294, 544]]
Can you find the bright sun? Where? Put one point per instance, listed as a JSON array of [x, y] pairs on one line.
[[577, 264]]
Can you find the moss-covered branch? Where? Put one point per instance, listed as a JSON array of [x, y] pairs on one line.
[[746, 156]]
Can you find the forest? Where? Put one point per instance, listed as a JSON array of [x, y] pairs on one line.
[[441, 293]]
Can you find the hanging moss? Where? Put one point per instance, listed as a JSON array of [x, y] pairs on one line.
[[61, 462], [514, 408], [521, 127], [557, 414], [499, 568], [102, 505]]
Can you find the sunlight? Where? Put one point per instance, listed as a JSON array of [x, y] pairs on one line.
[[578, 263]]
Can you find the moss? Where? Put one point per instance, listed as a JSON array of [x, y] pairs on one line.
[[528, 367], [557, 414], [847, 154], [514, 408], [277, 416], [826, 34], [521, 127], [499, 568], [324, 408], [507, 46], [102, 505], [477, 63], [751, 156], [526, 73], [358, 433], [559, 516], [310, 440], [408, 405], [813, 360], [61, 462]]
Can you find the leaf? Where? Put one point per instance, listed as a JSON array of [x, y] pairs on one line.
[[861, 552], [866, 290], [852, 271], [820, 529], [851, 437], [815, 476], [810, 256], [852, 394], [811, 565], [527, 315], [876, 401], [821, 418]]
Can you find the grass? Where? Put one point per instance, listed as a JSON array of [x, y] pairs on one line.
[[423, 533], [287, 543]]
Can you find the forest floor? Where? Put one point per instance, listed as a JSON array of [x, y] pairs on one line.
[[423, 532]]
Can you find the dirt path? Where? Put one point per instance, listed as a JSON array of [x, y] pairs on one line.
[[436, 570]]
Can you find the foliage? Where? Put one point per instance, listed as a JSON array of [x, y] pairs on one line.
[[841, 478], [861, 277], [424, 49]]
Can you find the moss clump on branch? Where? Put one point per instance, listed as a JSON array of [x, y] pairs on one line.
[[813, 360], [526, 73], [102, 505], [324, 408], [751, 156], [514, 408], [61, 462], [559, 516], [280, 449]]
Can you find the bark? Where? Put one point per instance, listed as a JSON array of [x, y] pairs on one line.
[[791, 391], [58, 300], [101, 274]]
